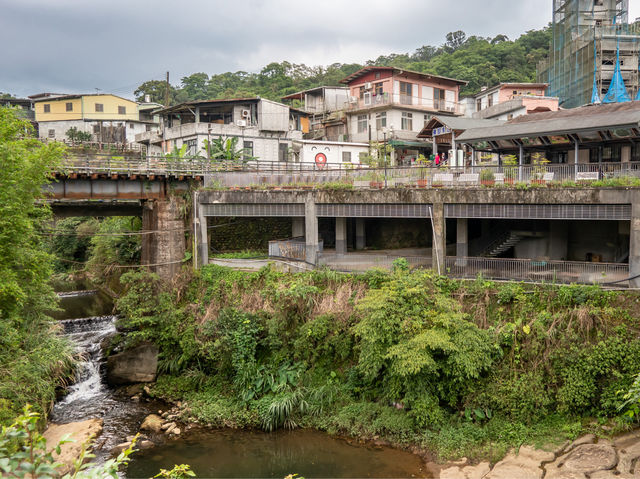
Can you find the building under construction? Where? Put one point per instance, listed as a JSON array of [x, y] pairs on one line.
[[588, 38]]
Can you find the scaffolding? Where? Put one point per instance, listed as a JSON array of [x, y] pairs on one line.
[[586, 35]]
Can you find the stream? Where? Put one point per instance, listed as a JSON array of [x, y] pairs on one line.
[[88, 320]]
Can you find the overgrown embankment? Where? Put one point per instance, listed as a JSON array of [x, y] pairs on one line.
[[409, 357]]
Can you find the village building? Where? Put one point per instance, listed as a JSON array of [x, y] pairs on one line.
[[110, 119], [265, 129], [506, 101], [391, 105], [325, 106]]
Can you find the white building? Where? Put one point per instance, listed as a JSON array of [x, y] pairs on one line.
[[264, 128]]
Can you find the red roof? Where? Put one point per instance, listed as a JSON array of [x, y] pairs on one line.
[[365, 70]]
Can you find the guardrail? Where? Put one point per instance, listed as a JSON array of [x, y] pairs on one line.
[[295, 249], [236, 173], [538, 271], [358, 262]]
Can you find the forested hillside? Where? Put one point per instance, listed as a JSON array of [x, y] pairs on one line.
[[480, 61]]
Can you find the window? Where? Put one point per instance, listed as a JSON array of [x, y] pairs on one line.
[[378, 89], [122, 110], [99, 107], [52, 133], [346, 157], [405, 93], [377, 75], [635, 152], [479, 104], [427, 118], [362, 123], [490, 98], [283, 152], [131, 126], [247, 152], [96, 129], [439, 99], [381, 120], [611, 153], [69, 106], [192, 146], [407, 121], [362, 92], [47, 108]]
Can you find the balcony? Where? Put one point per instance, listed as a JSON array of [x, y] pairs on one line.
[[432, 105]]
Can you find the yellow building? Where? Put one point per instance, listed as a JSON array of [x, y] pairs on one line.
[[108, 118], [86, 107]]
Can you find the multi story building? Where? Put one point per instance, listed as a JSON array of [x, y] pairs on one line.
[[109, 118], [265, 129], [506, 101], [588, 35], [325, 106], [394, 105]]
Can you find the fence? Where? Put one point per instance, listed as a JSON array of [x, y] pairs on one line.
[[295, 249], [358, 262], [234, 173], [538, 271]]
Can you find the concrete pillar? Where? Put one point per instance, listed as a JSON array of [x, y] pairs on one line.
[[341, 235], [438, 250], [201, 234], [634, 242], [164, 247], [311, 231], [462, 241], [297, 227], [558, 247], [360, 234]]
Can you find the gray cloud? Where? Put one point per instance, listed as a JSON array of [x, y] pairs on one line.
[[76, 46]]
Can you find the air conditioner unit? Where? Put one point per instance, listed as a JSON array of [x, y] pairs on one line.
[[353, 99], [367, 85], [246, 113], [241, 123]]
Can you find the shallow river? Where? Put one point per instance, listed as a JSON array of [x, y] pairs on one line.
[[228, 453]]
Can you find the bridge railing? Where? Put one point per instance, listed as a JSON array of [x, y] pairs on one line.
[[238, 173]]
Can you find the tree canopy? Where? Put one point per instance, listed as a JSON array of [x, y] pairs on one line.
[[478, 60]]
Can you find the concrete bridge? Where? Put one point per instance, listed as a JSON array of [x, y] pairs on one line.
[[562, 225]]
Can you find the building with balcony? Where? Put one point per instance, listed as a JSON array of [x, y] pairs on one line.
[[264, 128], [394, 105], [325, 106], [506, 101], [108, 118]]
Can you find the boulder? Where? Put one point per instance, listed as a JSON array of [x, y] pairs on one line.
[[583, 460], [137, 365], [152, 423], [80, 432], [527, 464]]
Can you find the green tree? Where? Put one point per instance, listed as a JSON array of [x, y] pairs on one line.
[[32, 357]]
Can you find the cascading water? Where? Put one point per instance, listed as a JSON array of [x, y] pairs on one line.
[[89, 396]]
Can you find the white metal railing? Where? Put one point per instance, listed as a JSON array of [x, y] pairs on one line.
[[354, 262], [531, 270], [370, 101], [295, 248], [237, 173]]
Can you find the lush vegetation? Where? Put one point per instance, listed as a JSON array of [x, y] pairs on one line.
[[412, 357], [480, 61], [33, 359]]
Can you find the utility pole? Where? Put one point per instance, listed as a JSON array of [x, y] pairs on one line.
[[166, 92]]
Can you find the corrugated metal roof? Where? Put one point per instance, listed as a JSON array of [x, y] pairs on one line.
[[299, 94], [457, 123], [364, 70], [187, 104], [587, 118]]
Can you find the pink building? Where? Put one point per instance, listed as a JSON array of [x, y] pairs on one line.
[[510, 100], [395, 103]]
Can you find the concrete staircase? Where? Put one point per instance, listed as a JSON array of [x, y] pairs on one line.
[[505, 242]]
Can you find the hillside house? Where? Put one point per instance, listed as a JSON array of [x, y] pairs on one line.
[[506, 101], [264, 128]]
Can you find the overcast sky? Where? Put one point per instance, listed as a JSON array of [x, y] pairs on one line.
[[75, 46]]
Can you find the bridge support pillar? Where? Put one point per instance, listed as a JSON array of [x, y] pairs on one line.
[[360, 234], [462, 241], [634, 243], [341, 235], [311, 231], [201, 234], [163, 247], [438, 249]]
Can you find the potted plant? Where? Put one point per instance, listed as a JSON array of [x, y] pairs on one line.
[[539, 169], [510, 163], [423, 164], [487, 177]]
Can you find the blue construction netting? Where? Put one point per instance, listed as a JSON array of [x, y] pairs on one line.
[[617, 90], [595, 93]]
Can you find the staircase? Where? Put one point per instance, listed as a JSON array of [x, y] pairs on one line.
[[505, 242]]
